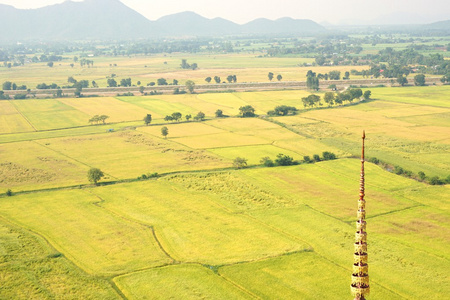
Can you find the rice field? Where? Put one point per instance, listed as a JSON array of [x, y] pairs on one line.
[[206, 230]]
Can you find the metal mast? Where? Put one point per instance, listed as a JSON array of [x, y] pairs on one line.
[[360, 276]]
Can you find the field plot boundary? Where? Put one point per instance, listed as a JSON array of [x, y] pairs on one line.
[[23, 116]]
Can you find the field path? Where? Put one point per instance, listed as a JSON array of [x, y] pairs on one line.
[[23, 116]]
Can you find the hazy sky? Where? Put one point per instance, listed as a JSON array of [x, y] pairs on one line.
[[242, 11]]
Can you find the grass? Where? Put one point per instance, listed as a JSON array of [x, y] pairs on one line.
[[31, 269], [11, 120], [92, 238], [295, 277], [50, 114], [118, 111], [181, 281], [191, 226]]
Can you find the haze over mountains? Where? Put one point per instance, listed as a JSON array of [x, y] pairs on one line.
[[112, 20]]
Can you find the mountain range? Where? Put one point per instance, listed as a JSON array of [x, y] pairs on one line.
[[111, 19]]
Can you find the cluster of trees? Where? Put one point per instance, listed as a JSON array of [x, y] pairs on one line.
[[185, 65], [217, 79], [271, 76], [419, 80], [44, 86], [8, 85], [285, 160], [177, 116], [247, 111], [3, 96], [86, 62], [332, 98], [125, 82], [312, 81], [282, 110], [421, 176], [98, 118]]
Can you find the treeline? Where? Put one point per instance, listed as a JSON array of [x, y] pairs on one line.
[[285, 160], [420, 176]]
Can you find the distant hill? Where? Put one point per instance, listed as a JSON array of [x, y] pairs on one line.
[[91, 19], [442, 25], [111, 19]]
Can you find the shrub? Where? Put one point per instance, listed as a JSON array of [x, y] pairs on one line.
[[239, 162], [328, 155], [284, 160], [266, 161], [20, 96], [398, 170], [436, 181], [374, 160], [422, 175], [9, 193]]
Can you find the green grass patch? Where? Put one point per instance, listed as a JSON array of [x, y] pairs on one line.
[[180, 281]]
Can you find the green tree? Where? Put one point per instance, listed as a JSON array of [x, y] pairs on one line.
[[334, 75], [367, 95], [422, 175], [148, 119], [168, 118], [316, 157], [176, 116], [125, 82], [312, 82], [328, 155], [346, 75], [141, 89], [59, 93], [419, 80], [112, 82], [266, 161], [239, 162], [320, 60], [402, 80], [230, 78], [94, 175], [9, 193], [190, 85], [208, 79], [188, 117], [329, 98], [247, 111], [279, 77], [284, 110], [7, 85], [284, 160], [103, 118], [161, 81], [219, 113], [164, 131], [174, 82], [200, 116], [217, 79], [50, 64], [270, 76]]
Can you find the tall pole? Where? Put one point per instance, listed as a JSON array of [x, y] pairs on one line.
[[360, 276]]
